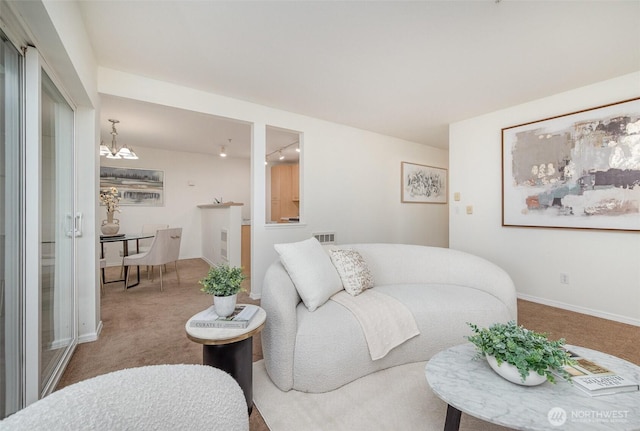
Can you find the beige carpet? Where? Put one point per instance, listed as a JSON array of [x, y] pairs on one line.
[[394, 399]]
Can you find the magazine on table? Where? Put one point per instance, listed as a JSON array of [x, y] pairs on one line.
[[595, 379], [239, 319]]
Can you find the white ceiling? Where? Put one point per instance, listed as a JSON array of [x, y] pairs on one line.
[[404, 69]]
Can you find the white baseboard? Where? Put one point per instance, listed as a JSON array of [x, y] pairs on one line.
[[59, 344], [92, 336], [582, 310]]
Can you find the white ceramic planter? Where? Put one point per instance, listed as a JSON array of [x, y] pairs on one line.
[[511, 373], [224, 305]]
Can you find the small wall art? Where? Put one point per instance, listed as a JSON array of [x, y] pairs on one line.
[[143, 187], [423, 184], [579, 170]]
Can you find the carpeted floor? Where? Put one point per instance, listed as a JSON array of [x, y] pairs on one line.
[[144, 326]]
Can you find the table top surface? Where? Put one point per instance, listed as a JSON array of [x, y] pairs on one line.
[[125, 237], [218, 336], [471, 386]]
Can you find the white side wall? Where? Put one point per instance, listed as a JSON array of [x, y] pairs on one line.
[[603, 266], [211, 177], [350, 178]]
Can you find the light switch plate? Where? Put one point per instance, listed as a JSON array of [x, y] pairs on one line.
[[456, 196]]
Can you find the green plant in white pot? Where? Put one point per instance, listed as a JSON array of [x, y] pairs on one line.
[[223, 282], [519, 355]]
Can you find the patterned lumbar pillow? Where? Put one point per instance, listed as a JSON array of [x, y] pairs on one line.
[[353, 270]]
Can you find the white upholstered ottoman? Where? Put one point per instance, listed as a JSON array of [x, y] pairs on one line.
[[157, 397]]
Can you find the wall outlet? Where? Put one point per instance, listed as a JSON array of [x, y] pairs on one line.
[[564, 278]]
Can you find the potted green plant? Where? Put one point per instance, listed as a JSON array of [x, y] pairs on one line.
[[223, 282], [519, 355]]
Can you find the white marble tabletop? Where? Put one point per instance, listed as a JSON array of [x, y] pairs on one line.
[[226, 335], [472, 387]]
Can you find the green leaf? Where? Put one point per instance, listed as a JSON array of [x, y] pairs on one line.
[[525, 349], [223, 280]]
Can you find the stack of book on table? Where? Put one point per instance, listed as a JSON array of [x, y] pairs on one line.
[[596, 380], [240, 318]]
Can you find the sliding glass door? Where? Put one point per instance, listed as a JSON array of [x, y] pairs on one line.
[[10, 229], [50, 323], [56, 221], [38, 315]]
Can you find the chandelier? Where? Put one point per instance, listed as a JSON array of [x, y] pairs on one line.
[[114, 152]]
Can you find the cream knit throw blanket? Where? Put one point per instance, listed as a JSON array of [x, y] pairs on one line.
[[385, 321]]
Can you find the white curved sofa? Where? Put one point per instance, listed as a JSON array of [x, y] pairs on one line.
[[321, 350], [154, 397]]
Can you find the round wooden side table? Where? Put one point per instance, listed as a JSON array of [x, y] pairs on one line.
[[230, 350]]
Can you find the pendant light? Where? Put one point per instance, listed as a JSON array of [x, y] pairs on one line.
[[223, 150], [114, 152]]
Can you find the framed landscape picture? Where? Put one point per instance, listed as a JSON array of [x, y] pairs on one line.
[[579, 170], [143, 187], [423, 184]]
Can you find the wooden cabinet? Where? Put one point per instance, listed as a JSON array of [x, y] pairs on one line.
[[295, 184], [285, 192], [245, 253]]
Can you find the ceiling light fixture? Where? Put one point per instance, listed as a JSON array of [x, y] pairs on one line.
[[280, 153], [104, 150], [113, 152], [223, 149]]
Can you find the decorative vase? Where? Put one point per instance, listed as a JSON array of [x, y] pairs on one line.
[[225, 305], [110, 226], [511, 373]]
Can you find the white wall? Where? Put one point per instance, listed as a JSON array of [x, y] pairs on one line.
[[603, 266], [350, 178], [211, 177]]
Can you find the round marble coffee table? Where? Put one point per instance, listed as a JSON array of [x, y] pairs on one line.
[[469, 385]]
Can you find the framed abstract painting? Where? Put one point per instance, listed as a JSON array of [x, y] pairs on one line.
[[423, 184], [141, 187], [579, 170]]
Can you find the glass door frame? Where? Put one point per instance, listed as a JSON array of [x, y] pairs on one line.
[[12, 288], [34, 388]]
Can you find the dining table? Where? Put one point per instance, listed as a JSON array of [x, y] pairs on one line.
[[124, 239]]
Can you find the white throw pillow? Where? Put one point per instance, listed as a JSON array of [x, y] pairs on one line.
[[311, 271], [353, 270]]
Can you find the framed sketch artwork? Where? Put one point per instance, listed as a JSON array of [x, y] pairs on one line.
[[142, 187], [423, 184], [579, 170]]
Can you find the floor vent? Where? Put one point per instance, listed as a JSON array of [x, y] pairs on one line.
[[325, 237]]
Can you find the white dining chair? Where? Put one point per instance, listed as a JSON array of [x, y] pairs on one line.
[[145, 243], [103, 265], [165, 248]]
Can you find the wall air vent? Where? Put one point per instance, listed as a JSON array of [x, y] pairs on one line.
[[223, 245], [325, 237]]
